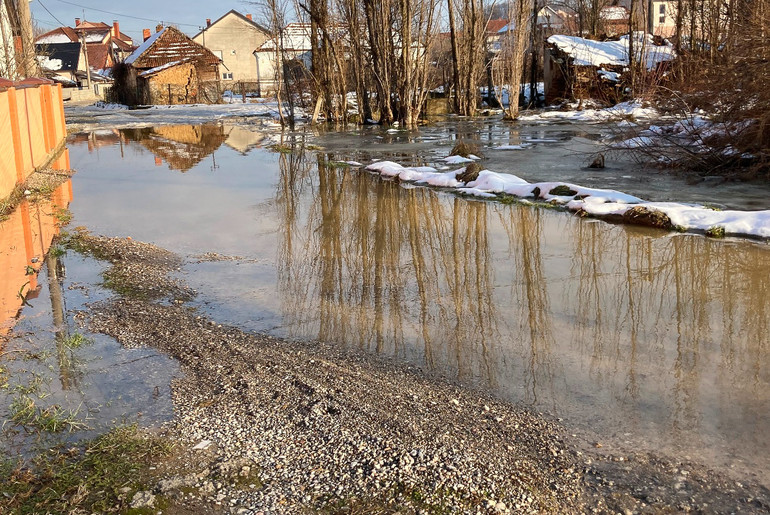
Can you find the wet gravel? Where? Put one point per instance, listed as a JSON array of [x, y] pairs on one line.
[[273, 426], [322, 426]]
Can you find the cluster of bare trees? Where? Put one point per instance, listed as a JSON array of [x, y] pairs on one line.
[[724, 69], [387, 56]]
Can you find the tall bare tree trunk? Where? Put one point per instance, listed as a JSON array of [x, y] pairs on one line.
[[455, 57], [515, 48]]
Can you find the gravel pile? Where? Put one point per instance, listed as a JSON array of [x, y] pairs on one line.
[[139, 270]]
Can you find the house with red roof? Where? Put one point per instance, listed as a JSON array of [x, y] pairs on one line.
[[66, 54]]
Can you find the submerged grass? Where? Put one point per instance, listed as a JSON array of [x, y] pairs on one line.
[[26, 412], [95, 477], [281, 148], [75, 341]]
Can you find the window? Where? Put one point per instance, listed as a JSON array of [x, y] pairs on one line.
[[227, 76], [662, 8], [662, 19]]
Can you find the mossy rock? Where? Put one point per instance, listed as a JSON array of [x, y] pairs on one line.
[[470, 174], [563, 190], [715, 232], [640, 215], [536, 192]]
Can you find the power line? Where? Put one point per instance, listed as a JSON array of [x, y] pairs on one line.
[[47, 23], [49, 12], [123, 15]]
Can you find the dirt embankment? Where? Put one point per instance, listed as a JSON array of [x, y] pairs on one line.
[[286, 427]]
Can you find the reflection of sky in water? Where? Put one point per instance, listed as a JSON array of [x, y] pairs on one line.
[[654, 338], [98, 384]]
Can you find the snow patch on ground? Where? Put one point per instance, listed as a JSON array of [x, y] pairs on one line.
[[522, 146], [592, 201], [457, 160]]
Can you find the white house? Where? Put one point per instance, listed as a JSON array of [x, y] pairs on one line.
[[662, 18], [293, 44]]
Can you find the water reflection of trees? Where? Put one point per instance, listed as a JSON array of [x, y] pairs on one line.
[[663, 330], [403, 272], [675, 327]]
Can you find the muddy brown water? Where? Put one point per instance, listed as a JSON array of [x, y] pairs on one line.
[[636, 338]]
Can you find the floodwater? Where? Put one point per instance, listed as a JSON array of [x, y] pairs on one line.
[[91, 384], [637, 338]]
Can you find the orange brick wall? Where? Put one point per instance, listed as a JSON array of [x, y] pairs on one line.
[[32, 126]]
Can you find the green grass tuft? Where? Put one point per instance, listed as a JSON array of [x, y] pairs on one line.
[[715, 232], [84, 479]]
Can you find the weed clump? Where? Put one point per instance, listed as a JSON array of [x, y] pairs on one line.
[[640, 215], [464, 149], [717, 231], [470, 174], [84, 479], [563, 190], [281, 148]]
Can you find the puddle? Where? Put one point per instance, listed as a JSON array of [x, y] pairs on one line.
[[649, 339], [81, 384]]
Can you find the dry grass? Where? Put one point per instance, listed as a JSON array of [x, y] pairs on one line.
[[40, 185], [465, 149]]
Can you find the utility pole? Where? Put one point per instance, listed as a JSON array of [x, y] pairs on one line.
[[28, 64], [82, 35]]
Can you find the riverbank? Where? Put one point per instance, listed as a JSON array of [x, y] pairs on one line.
[[268, 425]]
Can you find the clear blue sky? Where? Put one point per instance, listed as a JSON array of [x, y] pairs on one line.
[[188, 15]]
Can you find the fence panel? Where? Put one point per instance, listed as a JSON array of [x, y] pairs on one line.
[[32, 126]]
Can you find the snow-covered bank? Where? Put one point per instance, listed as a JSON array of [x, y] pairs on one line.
[[632, 110], [600, 203], [117, 116]]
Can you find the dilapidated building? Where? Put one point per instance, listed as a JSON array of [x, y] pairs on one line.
[[578, 68], [170, 68]]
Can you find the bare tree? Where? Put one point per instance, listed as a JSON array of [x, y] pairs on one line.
[[513, 52]]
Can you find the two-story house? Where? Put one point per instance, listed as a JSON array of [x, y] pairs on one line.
[[233, 38]]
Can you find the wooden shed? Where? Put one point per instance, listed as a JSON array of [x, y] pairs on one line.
[[171, 68]]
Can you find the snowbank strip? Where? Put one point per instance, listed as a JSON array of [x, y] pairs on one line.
[[600, 203], [624, 111], [118, 116]]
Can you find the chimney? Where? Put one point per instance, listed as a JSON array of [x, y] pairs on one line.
[[115, 29], [158, 27], [146, 34], [77, 22], [208, 22], [249, 17]]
